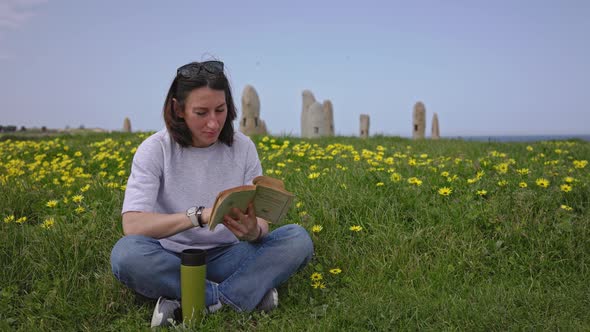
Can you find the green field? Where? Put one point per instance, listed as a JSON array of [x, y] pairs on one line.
[[409, 235]]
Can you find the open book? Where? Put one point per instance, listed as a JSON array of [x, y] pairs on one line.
[[271, 200]]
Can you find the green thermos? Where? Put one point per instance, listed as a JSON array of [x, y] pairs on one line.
[[192, 283]]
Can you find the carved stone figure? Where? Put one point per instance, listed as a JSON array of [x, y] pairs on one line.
[[435, 130], [419, 121], [250, 122], [127, 125], [364, 126]]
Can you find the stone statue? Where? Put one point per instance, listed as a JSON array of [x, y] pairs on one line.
[[419, 121]]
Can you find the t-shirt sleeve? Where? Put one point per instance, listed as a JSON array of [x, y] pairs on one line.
[[144, 181], [253, 167]]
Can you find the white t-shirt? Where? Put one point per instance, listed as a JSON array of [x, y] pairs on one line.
[[166, 178]]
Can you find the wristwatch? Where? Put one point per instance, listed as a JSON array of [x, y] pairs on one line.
[[195, 215]]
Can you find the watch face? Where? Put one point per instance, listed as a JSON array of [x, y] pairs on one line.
[[191, 210]]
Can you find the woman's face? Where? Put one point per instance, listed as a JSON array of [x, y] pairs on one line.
[[205, 112]]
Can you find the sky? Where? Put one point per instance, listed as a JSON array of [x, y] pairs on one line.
[[485, 67]]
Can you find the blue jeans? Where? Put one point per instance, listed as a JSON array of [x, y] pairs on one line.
[[238, 274]]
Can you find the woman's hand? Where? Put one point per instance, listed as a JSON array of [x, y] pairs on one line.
[[244, 225]]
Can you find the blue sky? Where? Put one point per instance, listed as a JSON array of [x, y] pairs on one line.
[[486, 67]]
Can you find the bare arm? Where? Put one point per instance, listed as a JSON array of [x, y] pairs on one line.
[[157, 225]]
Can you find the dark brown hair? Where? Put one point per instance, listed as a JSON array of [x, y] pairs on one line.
[[180, 88]]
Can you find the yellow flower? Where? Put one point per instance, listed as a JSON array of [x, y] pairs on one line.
[[565, 188], [9, 218], [356, 228], [317, 228], [445, 191], [77, 198], [482, 192], [302, 213], [529, 148], [318, 284], [85, 188], [299, 204], [523, 171], [395, 177], [80, 209], [21, 220], [335, 271], [580, 163], [379, 184], [415, 181], [565, 207], [48, 223], [502, 183], [316, 276], [52, 203], [541, 182], [569, 179], [445, 174], [522, 185], [313, 176]]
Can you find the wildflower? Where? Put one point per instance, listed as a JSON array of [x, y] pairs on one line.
[[445, 174], [51, 203], [77, 198], [85, 188], [379, 184], [9, 218], [335, 271], [471, 181], [78, 154], [299, 204], [580, 163], [48, 223], [356, 228], [569, 179], [302, 213], [482, 192], [316, 276], [415, 181], [313, 176], [522, 171], [522, 185], [80, 209], [318, 284], [502, 183], [395, 177], [565, 207], [565, 188], [317, 228], [445, 191], [529, 148], [541, 182], [21, 220]]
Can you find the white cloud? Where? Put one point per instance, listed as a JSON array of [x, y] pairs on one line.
[[15, 13]]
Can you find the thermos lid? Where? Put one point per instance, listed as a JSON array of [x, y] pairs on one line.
[[193, 257]]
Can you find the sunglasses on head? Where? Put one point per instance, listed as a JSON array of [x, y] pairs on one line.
[[193, 69]]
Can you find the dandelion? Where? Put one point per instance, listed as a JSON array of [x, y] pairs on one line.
[[77, 198], [316, 276], [541, 182], [335, 271], [21, 220], [51, 203], [565, 188], [379, 184], [445, 191], [9, 218], [482, 192], [313, 176], [80, 209], [445, 174], [415, 181], [356, 228], [522, 185], [48, 223], [565, 207], [317, 228], [580, 163], [395, 177]]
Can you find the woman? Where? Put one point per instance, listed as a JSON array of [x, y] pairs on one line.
[[175, 177]]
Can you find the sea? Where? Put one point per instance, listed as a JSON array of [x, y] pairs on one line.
[[521, 138]]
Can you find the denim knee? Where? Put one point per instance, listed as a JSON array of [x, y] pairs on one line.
[[298, 241], [125, 254]]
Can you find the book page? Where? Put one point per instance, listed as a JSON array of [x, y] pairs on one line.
[[238, 199], [272, 205]]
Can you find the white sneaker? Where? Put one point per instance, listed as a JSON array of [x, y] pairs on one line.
[[164, 312], [269, 301]]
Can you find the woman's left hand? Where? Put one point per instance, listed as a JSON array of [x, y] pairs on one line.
[[244, 225]]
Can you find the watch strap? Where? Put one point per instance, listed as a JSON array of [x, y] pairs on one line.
[[200, 216]]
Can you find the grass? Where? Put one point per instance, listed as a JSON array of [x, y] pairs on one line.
[[513, 258]]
